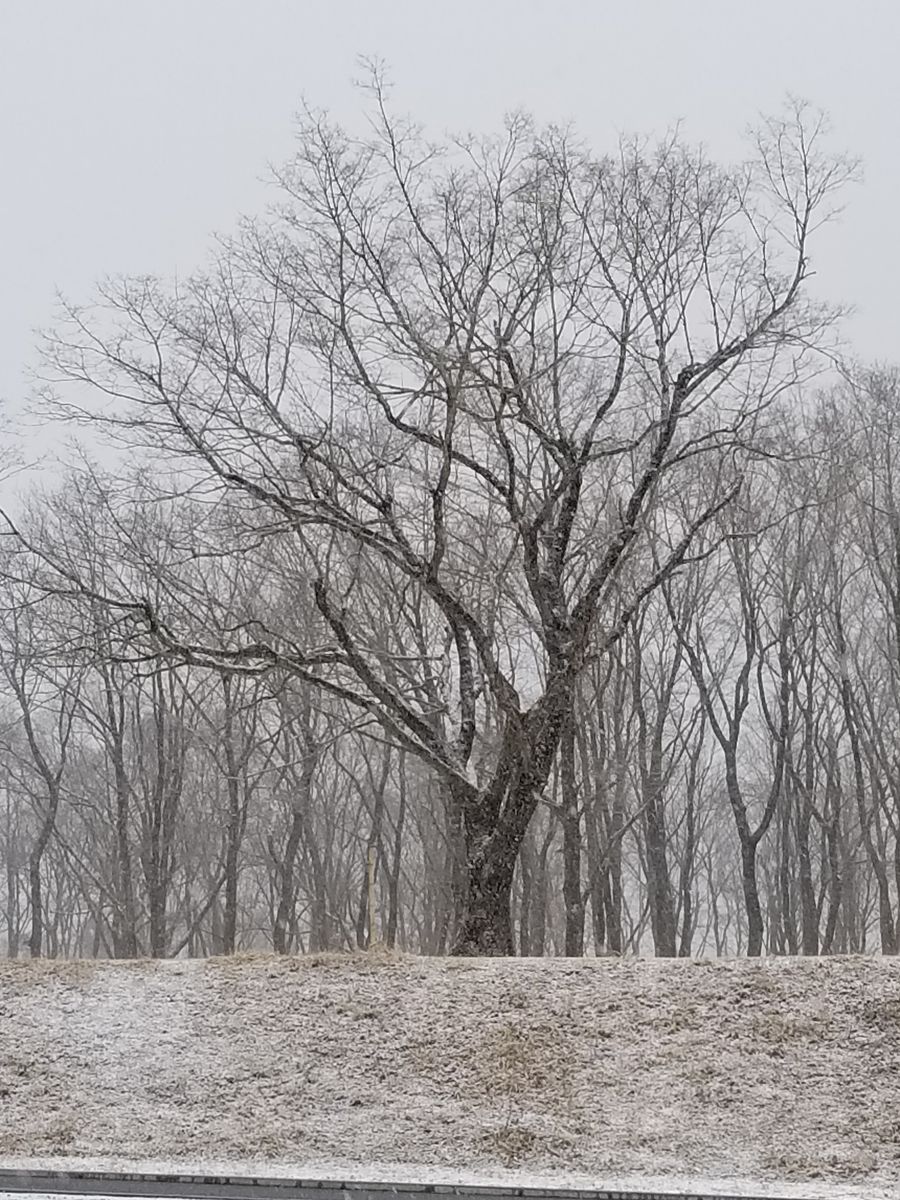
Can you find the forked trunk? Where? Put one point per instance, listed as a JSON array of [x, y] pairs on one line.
[[496, 822]]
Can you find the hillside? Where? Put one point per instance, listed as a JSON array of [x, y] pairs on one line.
[[783, 1070]]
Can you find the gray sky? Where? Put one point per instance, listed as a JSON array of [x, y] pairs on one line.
[[132, 129]]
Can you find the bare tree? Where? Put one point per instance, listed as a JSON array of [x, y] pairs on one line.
[[433, 348]]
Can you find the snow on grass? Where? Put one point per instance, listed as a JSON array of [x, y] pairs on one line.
[[399, 1174], [582, 1072]]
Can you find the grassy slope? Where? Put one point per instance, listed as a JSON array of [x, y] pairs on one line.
[[787, 1069]]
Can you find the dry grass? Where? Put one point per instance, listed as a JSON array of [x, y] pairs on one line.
[[786, 1069]]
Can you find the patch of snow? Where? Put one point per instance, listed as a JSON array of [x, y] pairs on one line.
[[403, 1173], [775, 1077]]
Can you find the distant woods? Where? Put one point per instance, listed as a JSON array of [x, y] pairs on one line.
[[497, 563]]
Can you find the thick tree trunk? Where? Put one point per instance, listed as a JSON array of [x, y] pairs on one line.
[[486, 926], [496, 822]]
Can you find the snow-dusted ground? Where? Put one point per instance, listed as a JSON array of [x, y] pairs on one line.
[[688, 1186], [781, 1075], [399, 1174]]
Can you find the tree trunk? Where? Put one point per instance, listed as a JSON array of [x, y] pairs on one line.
[[527, 873], [809, 917], [613, 891], [496, 822], [832, 839], [286, 897], [35, 941], [124, 920], [573, 897], [809, 907], [396, 864], [867, 817], [158, 904], [686, 878], [232, 851], [366, 918], [234, 825], [12, 908], [486, 926], [659, 887], [755, 929], [788, 921], [597, 864], [320, 922], [454, 872], [748, 846]]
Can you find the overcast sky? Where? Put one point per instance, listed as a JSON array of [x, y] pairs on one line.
[[132, 129]]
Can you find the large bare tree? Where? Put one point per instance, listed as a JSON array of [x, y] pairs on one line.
[[476, 376]]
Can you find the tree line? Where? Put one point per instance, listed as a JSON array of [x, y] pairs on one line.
[[494, 560]]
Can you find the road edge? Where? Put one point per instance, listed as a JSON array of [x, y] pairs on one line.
[[201, 1186]]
